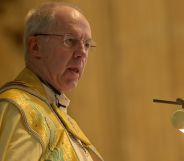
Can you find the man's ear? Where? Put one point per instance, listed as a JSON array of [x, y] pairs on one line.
[[33, 47]]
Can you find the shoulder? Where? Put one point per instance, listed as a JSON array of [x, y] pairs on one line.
[[23, 104], [8, 110], [12, 128]]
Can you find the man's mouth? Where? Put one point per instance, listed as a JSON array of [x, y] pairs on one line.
[[74, 70]]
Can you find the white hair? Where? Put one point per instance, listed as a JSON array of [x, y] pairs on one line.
[[40, 20]]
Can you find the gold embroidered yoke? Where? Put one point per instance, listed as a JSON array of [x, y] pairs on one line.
[[48, 124]]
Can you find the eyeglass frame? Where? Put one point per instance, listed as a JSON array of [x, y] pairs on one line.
[[92, 45]]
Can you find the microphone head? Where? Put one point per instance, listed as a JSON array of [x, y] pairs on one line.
[[178, 120], [180, 101]]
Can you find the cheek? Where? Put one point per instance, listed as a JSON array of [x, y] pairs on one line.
[[60, 66], [57, 58], [57, 65], [85, 61]]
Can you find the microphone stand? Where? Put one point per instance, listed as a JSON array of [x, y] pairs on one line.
[[178, 101]]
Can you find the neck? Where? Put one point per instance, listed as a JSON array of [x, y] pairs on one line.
[[50, 86]]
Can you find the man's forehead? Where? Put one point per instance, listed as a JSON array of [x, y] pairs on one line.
[[66, 11], [67, 17]]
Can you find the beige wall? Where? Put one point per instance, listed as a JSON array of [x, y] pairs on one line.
[[139, 57]]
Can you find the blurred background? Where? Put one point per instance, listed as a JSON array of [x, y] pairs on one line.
[[139, 56]]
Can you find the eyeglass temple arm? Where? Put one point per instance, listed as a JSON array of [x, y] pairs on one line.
[[178, 101]]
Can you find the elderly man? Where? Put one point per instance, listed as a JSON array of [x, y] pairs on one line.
[[34, 124]]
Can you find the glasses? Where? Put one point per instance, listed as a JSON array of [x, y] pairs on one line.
[[70, 41]]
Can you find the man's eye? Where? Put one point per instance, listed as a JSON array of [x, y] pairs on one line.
[[87, 45], [70, 42]]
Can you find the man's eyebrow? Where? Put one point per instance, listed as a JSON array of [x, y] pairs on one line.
[[75, 35]]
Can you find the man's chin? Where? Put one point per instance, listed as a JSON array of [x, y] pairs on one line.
[[69, 87]]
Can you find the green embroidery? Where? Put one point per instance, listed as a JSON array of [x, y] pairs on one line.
[[52, 153], [52, 130]]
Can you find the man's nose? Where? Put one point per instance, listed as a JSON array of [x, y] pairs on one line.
[[81, 50]]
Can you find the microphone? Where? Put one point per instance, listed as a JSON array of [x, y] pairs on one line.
[[178, 116]]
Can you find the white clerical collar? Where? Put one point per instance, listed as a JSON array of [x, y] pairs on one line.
[[60, 100]]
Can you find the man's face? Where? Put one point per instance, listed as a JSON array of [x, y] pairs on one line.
[[63, 66]]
